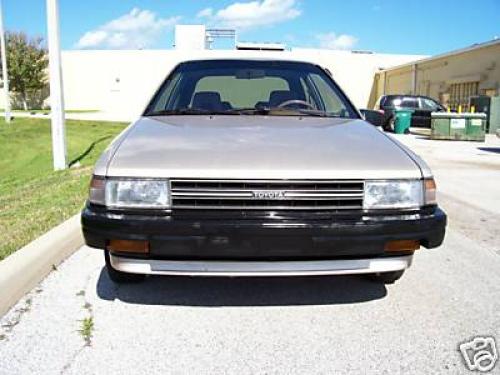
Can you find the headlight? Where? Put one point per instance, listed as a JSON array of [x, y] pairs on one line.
[[137, 193], [392, 194], [129, 193]]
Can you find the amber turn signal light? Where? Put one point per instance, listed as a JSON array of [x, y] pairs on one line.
[[128, 246], [402, 245], [430, 191]]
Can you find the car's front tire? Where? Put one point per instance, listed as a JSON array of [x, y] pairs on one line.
[[386, 277], [118, 276], [390, 124]]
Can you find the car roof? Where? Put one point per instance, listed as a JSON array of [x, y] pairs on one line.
[[407, 96], [258, 59]]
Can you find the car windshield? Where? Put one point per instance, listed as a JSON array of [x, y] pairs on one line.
[[246, 87]]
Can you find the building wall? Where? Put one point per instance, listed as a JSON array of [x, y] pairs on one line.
[[354, 72], [475, 71], [122, 82]]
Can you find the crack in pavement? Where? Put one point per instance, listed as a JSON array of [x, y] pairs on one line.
[[16, 314], [87, 306]]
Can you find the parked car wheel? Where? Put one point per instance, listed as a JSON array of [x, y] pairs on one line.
[[386, 277], [118, 276], [390, 124]]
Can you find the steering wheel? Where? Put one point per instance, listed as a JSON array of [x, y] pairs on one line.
[[295, 101]]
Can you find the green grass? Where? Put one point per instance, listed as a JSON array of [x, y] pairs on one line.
[[87, 329], [34, 198]]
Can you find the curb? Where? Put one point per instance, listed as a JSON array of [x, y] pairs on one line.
[[23, 270]]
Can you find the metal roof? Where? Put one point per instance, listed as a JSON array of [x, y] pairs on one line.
[[473, 47]]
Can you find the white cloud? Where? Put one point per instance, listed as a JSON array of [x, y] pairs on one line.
[[136, 29], [246, 15], [334, 41], [207, 12]]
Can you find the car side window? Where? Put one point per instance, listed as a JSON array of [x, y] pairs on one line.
[[393, 101], [164, 101], [331, 101], [309, 95], [429, 104], [409, 103]]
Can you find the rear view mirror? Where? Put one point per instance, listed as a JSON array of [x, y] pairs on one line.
[[373, 117], [250, 74]]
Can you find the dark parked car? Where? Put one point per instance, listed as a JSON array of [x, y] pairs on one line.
[[373, 117], [422, 106]]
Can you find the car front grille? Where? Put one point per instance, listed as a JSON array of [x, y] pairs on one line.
[[333, 195]]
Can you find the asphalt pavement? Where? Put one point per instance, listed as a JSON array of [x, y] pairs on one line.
[[78, 322]]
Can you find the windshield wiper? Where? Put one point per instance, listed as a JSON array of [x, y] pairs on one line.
[[242, 111], [181, 111], [281, 110], [195, 111]]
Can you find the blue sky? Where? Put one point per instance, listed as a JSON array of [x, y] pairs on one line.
[[390, 26]]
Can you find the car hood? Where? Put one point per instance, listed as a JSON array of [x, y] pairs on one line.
[[277, 147]]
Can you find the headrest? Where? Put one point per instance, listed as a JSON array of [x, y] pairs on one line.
[[209, 100]]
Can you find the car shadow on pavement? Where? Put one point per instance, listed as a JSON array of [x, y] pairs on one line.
[[495, 150], [261, 291]]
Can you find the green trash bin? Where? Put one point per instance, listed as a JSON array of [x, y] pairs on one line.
[[402, 121]]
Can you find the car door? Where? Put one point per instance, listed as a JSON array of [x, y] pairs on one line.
[[423, 114], [419, 116]]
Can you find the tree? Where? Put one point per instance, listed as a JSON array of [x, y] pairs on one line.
[[27, 66]]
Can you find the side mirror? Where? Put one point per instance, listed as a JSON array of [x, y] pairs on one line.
[[373, 117]]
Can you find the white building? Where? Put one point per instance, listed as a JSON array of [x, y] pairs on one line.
[[122, 81]]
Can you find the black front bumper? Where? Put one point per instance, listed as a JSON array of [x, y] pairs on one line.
[[282, 235]]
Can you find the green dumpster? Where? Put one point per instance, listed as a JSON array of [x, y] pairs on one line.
[[494, 120], [458, 126], [475, 129], [403, 121]]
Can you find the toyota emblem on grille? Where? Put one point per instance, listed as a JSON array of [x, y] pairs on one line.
[[269, 194]]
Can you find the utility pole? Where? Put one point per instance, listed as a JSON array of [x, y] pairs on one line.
[[56, 87], [5, 74]]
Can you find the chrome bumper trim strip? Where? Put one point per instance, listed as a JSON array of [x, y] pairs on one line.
[[260, 268]]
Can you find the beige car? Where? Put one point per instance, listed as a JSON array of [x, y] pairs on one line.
[[258, 168]]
